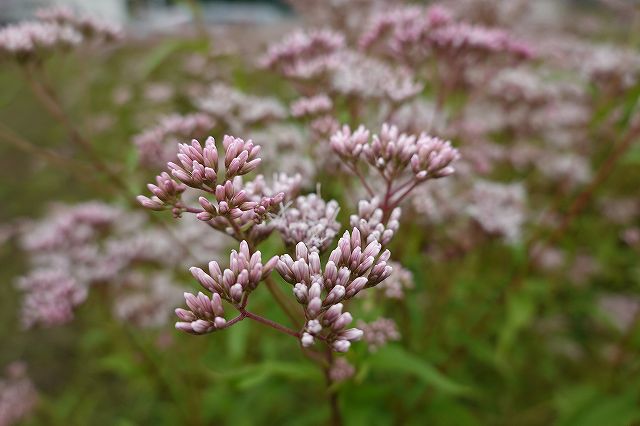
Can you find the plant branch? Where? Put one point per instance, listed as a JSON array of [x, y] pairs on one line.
[[402, 196], [45, 154], [283, 301], [49, 100], [270, 323], [357, 172]]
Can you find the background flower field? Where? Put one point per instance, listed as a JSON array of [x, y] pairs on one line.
[[483, 155]]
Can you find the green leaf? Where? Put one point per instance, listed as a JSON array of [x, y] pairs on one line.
[[119, 363], [238, 340], [253, 375], [632, 156], [157, 56], [444, 410], [395, 359], [520, 310], [586, 406]]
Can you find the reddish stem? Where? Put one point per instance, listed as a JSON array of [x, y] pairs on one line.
[[270, 323], [357, 172]]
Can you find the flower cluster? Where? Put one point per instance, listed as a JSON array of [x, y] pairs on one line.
[[352, 266], [50, 297], [237, 110], [457, 54], [78, 247], [18, 395], [304, 55], [360, 76], [341, 370], [571, 170], [90, 27], [321, 56], [234, 284], [146, 300], [377, 333], [613, 69], [413, 33], [234, 205], [371, 222], [401, 279], [525, 87], [463, 38], [439, 202], [65, 240], [394, 155], [311, 221], [311, 106], [157, 145], [25, 40], [285, 149], [57, 29], [404, 30], [621, 309], [499, 208]]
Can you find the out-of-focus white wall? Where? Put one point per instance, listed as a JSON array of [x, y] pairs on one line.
[[113, 10]]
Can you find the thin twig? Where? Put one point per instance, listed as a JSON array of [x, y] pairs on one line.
[[402, 196], [357, 172], [271, 324], [48, 155], [283, 301], [49, 100], [47, 97]]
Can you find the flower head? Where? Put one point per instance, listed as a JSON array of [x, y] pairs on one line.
[[311, 220], [18, 395], [57, 29], [234, 204], [341, 370], [157, 145], [400, 280], [312, 106], [352, 266], [236, 110], [304, 55], [233, 284], [371, 224], [50, 298], [393, 154], [377, 333], [29, 39], [499, 208], [90, 27]]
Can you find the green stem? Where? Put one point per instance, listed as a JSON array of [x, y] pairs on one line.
[[332, 392]]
